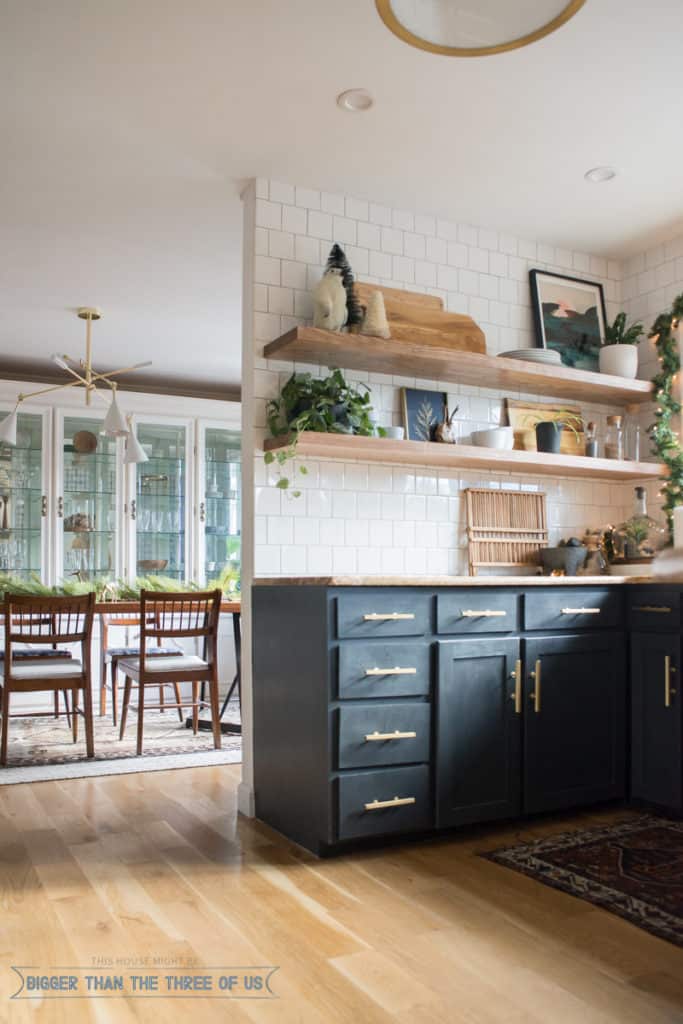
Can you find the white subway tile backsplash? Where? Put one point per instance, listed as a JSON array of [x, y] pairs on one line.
[[332, 203], [307, 250], [293, 275], [294, 219], [392, 241], [320, 225], [380, 264], [344, 230], [268, 215], [437, 250], [357, 209]]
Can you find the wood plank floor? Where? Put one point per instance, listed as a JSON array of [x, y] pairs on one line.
[[159, 865]]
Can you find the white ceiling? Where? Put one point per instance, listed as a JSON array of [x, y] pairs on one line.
[[128, 127]]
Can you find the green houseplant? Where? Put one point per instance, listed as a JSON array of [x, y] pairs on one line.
[[329, 405], [619, 354], [549, 432]]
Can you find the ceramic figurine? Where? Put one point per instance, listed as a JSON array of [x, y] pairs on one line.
[[329, 301], [375, 321], [444, 432]]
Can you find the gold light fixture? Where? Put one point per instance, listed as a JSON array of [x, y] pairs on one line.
[[84, 375], [474, 28]]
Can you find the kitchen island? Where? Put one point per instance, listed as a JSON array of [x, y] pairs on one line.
[[387, 706]]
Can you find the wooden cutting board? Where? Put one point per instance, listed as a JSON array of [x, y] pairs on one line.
[[523, 416], [414, 316]]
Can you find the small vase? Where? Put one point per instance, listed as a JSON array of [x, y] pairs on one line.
[[548, 436], [619, 360]]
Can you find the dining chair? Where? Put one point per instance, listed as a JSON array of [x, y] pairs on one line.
[[24, 652], [47, 622], [112, 656], [171, 616]]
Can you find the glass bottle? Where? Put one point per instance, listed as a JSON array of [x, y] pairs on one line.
[[614, 438], [591, 440], [641, 535]]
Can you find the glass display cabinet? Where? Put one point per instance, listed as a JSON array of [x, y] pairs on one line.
[[23, 499], [87, 507], [219, 488], [160, 506]]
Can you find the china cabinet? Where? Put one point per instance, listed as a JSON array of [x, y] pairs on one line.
[[24, 486], [219, 496]]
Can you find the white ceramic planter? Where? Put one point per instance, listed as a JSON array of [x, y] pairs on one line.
[[620, 360]]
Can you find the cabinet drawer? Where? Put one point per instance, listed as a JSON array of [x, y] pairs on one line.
[[654, 610], [383, 734], [392, 669], [404, 792], [375, 612], [573, 609], [476, 611]]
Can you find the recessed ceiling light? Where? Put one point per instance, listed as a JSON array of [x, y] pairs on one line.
[[599, 175], [355, 100]]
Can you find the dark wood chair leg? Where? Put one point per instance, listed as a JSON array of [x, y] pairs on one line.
[[114, 690], [141, 715], [195, 707], [178, 700], [88, 712], [74, 715], [162, 709], [126, 701], [65, 694], [215, 713], [103, 689], [56, 696], [5, 724]]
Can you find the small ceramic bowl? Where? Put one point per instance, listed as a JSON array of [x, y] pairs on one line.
[[495, 437], [394, 433]]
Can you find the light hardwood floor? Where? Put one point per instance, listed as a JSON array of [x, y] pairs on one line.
[[160, 865]]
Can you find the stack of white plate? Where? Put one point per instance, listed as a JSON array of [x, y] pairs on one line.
[[535, 355]]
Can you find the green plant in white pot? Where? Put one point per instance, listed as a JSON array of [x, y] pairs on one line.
[[619, 354]]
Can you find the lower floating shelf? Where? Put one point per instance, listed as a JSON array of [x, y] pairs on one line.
[[464, 456]]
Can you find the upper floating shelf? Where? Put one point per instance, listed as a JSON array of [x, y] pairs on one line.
[[435, 361]]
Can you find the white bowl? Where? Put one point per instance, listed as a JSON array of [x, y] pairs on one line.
[[495, 437], [394, 433]]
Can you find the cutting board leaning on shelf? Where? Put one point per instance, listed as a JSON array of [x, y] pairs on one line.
[[421, 318]]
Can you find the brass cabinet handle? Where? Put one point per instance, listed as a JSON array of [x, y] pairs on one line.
[[669, 691], [398, 801], [581, 611], [202, 512], [517, 695], [660, 609], [536, 695], [396, 671], [388, 616], [60, 508], [484, 613], [374, 737]]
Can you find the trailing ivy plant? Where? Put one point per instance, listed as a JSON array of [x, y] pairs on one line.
[[328, 406], [665, 440]]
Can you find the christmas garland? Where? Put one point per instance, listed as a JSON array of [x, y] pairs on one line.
[[665, 440]]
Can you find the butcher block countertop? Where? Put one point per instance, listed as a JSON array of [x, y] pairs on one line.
[[455, 581]]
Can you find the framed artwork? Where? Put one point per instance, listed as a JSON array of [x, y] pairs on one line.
[[422, 410], [569, 317]]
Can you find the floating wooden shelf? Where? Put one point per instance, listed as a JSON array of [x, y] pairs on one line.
[[464, 456], [436, 361]]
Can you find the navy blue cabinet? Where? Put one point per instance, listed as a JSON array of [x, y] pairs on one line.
[[479, 730], [656, 719], [575, 719]]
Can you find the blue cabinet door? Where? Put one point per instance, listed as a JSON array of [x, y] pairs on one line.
[[656, 720], [574, 720], [478, 733]]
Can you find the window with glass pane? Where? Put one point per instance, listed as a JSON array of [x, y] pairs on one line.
[[161, 494], [89, 512], [222, 503], [21, 492]]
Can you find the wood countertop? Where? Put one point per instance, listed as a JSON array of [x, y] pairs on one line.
[[455, 581]]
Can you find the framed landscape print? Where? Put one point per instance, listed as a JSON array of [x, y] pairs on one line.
[[569, 317], [422, 410]]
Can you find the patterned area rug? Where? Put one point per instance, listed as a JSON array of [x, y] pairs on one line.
[[42, 748], [633, 869]]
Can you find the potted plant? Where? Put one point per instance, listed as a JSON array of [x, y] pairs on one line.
[[549, 432], [328, 406], [619, 354]]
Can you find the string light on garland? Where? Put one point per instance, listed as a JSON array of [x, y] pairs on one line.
[[665, 440]]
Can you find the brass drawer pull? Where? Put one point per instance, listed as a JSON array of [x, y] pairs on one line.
[[374, 737], [485, 613], [396, 671], [656, 609], [669, 691], [581, 611], [517, 695], [388, 616], [398, 801], [536, 695]]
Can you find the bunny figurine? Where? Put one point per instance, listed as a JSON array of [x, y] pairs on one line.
[[444, 432]]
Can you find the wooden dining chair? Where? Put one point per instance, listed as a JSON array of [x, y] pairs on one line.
[[23, 652], [171, 616], [47, 622], [112, 655]]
